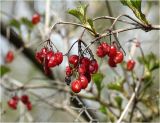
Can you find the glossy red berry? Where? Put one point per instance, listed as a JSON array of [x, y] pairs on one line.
[[59, 57], [84, 81], [118, 57], [111, 62], [44, 52], [93, 67], [85, 61], [130, 65], [76, 86], [69, 71], [12, 103], [9, 57], [73, 60], [25, 99], [82, 69], [36, 18], [15, 98], [29, 106], [49, 54], [113, 51], [39, 57], [47, 69], [52, 62], [106, 47], [100, 53]]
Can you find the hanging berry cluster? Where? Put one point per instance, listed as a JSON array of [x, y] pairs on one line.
[[114, 54], [48, 58], [83, 67], [13, 102]]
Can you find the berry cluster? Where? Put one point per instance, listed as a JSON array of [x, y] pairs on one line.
[[9, 57], [83, 67], [36, 18], [13, 102], [48, 58], [115, 55]]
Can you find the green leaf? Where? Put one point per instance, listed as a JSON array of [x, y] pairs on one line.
[[118, 100], [3, 70], [15, 23], [77, 14], [135, 6], [97, 78], [27, 22], [103, 109], [150, 61], [118, 85]]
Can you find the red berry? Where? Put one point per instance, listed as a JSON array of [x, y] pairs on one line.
[[29, 106], [130, 65], [106, 47], [100, 53], [76, 86], [25, 99], [44, 52], [49, 54], [9, 57], [39, 57], [59, 57], [52, 61], [69, 71], [82, 69], [85, 61], [12, 103], [84, 81], [36, 18], [111, 62], [88, 76], [113, 51], [15, 98], [119, 57], [73, 59], [93, 67], [47, 70]]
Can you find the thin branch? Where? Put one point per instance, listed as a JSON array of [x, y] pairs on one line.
[[129, 102]]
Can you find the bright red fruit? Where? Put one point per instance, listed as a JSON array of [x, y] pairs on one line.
[[25, 99], [111, 62], [106, 47], [82, 69], [113, 51], [130, 65], [119, 57], [84, 81], [36, 18], [100, 53], [29, 106], [59, 57], [39, 57], [93, 67], [69, 71], [85, 61], [12, 103], [49, 54], [73, 59], [52, 61], [76, 86], [9, 57]]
